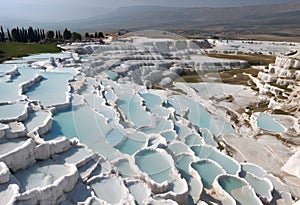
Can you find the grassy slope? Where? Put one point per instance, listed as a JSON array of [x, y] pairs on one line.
[[235, 77], [10, 50], [253, 59]]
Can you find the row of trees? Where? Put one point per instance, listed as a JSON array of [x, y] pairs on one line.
[[95, 35], [22, 35], [39, 35]]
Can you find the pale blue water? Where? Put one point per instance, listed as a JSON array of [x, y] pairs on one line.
[[109, 95], [158, 125], [115, 136], [266, 122], [98, 103], [181, 130], [111, 75], [9, 91], [27, 74], [183, 161], [151, 100], [178, 147], [46, 56], [193, 139], [12, 110], [160, 111], [209, 138], [85, 124], [208, 171], [147, 160], [169, 135], [199, 116], [254, 169], [227, 163], [134, 112], [124, 168], [132, 143], [229, 183], [52, 90], [63, 125], [91, 128], [5, 68]]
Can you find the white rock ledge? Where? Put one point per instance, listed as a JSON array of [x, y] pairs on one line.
[[21, 157], [16, 130], [23, 116], [111, 190], [51, 194], [27, 85], [47, 149], [4, 173], [45, 127]]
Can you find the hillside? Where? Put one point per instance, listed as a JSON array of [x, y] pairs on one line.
[[169, 18], [276, 19]]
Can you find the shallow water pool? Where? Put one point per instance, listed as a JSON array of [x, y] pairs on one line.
[[267, 122]]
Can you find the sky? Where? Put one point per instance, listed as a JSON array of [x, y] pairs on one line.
[[60, 10]]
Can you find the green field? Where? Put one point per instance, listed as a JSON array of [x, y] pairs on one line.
[[11, 50]]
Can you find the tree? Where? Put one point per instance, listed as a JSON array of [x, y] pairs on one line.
[[67, 34], [9, 36], [2, 35], [43, 34], [50, 35], [31, 35], [60, 36], [25, 35], [15, 34], [87, 35], [56, 35], [101, 35], [96, 35], [76, 36]]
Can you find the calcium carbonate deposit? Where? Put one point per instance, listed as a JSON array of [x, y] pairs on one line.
[[91, 128]]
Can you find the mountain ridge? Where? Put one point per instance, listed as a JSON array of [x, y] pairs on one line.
[[278, 18]]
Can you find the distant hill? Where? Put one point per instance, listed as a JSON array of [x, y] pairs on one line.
[[278, 19], [157, 17]]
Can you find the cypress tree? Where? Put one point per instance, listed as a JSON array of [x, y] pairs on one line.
[[2, 35], [101, 35], [19, 35], [15, 34], [60, 36], [9, 36], [36, 39], [56, 35], [67, 34], [43, 34], [39, 34], [23, 37], [30, 34]]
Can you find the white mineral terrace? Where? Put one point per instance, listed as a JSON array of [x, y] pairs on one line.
[[89, 129]]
